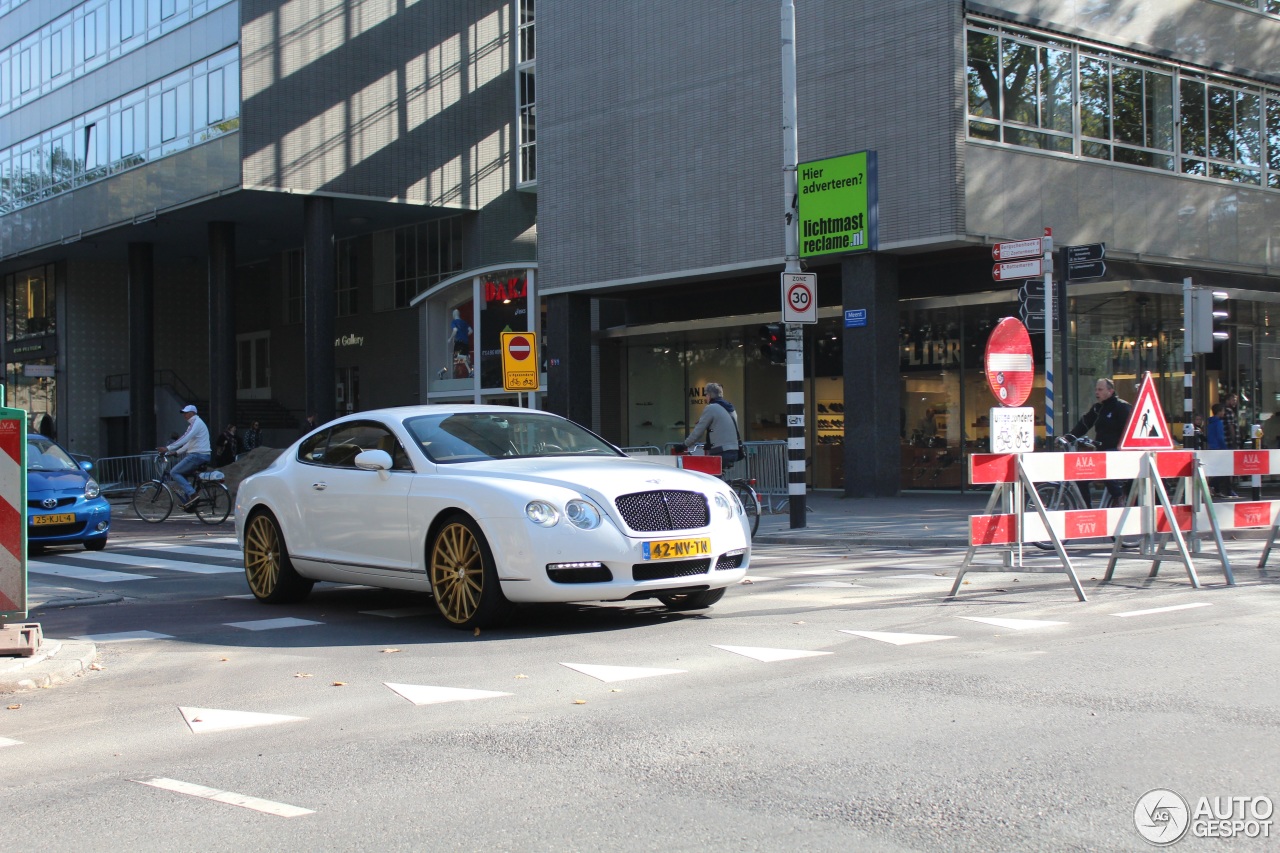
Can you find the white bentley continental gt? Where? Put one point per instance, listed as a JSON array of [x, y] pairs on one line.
[[486, 507]]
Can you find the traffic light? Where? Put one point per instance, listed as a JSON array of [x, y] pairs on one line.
[[773, 343], [1207, 324]]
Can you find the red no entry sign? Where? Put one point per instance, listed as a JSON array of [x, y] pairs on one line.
[[1009, 366], [519, 348]]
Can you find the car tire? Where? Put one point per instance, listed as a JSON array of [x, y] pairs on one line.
[[267, 567], [464, 579], [96, 544], [692, 600]]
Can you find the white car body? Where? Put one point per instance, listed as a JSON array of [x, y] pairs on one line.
[[362, 525]]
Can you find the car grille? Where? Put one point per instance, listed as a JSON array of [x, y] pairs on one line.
[[664, 510], [669, 569], [728, 561], [49, 531], [39, 504]]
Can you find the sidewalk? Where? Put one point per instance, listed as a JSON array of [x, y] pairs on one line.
[[913, 519]]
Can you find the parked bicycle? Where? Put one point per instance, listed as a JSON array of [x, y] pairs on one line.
[[1066, 494], [154, 500]]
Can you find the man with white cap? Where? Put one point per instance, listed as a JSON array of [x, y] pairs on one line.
[[194, 447]]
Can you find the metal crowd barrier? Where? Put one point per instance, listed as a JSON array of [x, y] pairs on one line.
[[642, 450], [118, 476], [766, 463]]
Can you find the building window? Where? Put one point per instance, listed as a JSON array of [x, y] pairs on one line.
[[526, 102], [423, 255], [348, 273], [1021, 88], [29, 304], [293, 293]]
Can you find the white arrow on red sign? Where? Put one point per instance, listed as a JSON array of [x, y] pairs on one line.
[[1014, 270], [1017, 249], [1007, 362]]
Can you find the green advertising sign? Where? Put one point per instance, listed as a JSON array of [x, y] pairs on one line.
[[838, 207]]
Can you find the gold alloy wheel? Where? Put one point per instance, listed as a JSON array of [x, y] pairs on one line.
[[457, 572], [262, 555]]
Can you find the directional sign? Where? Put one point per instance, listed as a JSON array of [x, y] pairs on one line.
[[1009, 367], [1031, 305], [1087, 252], [1031, 287], [1014, 249], [1014, 270], [1035, 322], [799, 297], [1091, 269], [519, 362]]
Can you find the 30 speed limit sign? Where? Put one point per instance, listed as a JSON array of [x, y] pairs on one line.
[[799, 297]]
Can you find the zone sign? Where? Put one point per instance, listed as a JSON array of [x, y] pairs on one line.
[[799, 297]]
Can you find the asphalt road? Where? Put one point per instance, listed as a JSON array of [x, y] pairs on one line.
[[837, 702]]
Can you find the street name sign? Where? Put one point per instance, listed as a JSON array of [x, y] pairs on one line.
[[1085, 261], [1014, 270], [1014, 249]]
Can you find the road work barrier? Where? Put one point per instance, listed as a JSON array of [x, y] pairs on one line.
[[1015, 514]]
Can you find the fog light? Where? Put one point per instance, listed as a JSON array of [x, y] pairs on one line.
[[102, 526], [735, 552]]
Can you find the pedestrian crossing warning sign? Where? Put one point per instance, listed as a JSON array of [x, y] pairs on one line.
[[1147, 429]]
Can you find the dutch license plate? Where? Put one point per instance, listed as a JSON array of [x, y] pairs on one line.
[[674, 549], [60, 518]]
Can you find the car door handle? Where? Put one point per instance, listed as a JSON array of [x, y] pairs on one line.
[[319, 487]]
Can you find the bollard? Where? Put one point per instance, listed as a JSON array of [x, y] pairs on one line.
[[1255, 482]]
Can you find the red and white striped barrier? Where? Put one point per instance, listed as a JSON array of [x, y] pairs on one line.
[[13, 514], [994, 468], [1002, 529]]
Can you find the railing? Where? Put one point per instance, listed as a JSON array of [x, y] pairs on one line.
[[642, 450], [766, 463], [118, 476]]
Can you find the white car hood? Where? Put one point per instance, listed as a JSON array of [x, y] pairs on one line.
[[601, 478]]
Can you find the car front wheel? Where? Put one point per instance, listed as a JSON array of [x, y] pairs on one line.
[[267, 567], [463, 577], [692, 600]]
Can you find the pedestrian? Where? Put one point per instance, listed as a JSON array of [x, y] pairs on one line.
[[719, 427], [252, 437], [1195, 441], [1231, 432], [1107, 418], [310, 423], [194, 447], [225, 448], [1215, 439]]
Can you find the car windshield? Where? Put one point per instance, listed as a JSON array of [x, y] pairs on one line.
[[44, 455], [477, 436]]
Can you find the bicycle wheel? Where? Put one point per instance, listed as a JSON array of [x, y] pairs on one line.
[[215, 503], [750, 503], [153, 501], [1054, 496], [1108, 501]]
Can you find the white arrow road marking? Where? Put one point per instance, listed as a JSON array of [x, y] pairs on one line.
[[122, 636], [769, 655], [272, 624], [426, 695], [4, 741], [1164, 609], [137, 562], [400, 612], [898, 639], [205, 720], [228, 797], [81, 573], [609, 674], [1015, 624]]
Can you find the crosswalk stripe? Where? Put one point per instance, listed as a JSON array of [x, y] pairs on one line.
[[4, 741], [203, 720], [1164, 609], [194, 550], [422, 694], [618, 673], [897, 639], [82, 573], [228, 797], [765, 655], [140, 562], [123, 636], [1015, 624]]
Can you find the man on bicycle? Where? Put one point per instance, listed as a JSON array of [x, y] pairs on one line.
[[1107, 418], [719, 426], [194, 447]]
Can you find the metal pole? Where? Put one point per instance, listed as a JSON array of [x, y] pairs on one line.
[[1188, 360], [1064, 343], [795, 332], [1047, 246]]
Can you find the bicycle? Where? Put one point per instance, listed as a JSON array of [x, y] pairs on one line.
[[153, 501], [744, 489], [1066, 494]]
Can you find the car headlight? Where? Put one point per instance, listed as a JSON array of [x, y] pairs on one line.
[[542, 513], [582, 514], [726, 504], [92, 489]]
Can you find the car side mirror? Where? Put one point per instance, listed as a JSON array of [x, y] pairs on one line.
[[373, 460]]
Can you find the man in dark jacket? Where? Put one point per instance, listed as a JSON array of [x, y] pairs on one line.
[[1107, 418]]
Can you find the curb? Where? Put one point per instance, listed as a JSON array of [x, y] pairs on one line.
[[56, 662], [857, 541], [73, 598]]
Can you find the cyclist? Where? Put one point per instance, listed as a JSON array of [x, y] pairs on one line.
[[719, 425], [194, 447], [1107, 418]]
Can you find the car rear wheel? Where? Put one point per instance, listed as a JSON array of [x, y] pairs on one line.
[[692, 600], [267, 567], [463, 577]]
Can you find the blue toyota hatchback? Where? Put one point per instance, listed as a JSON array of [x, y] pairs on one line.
[[64, 506]]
